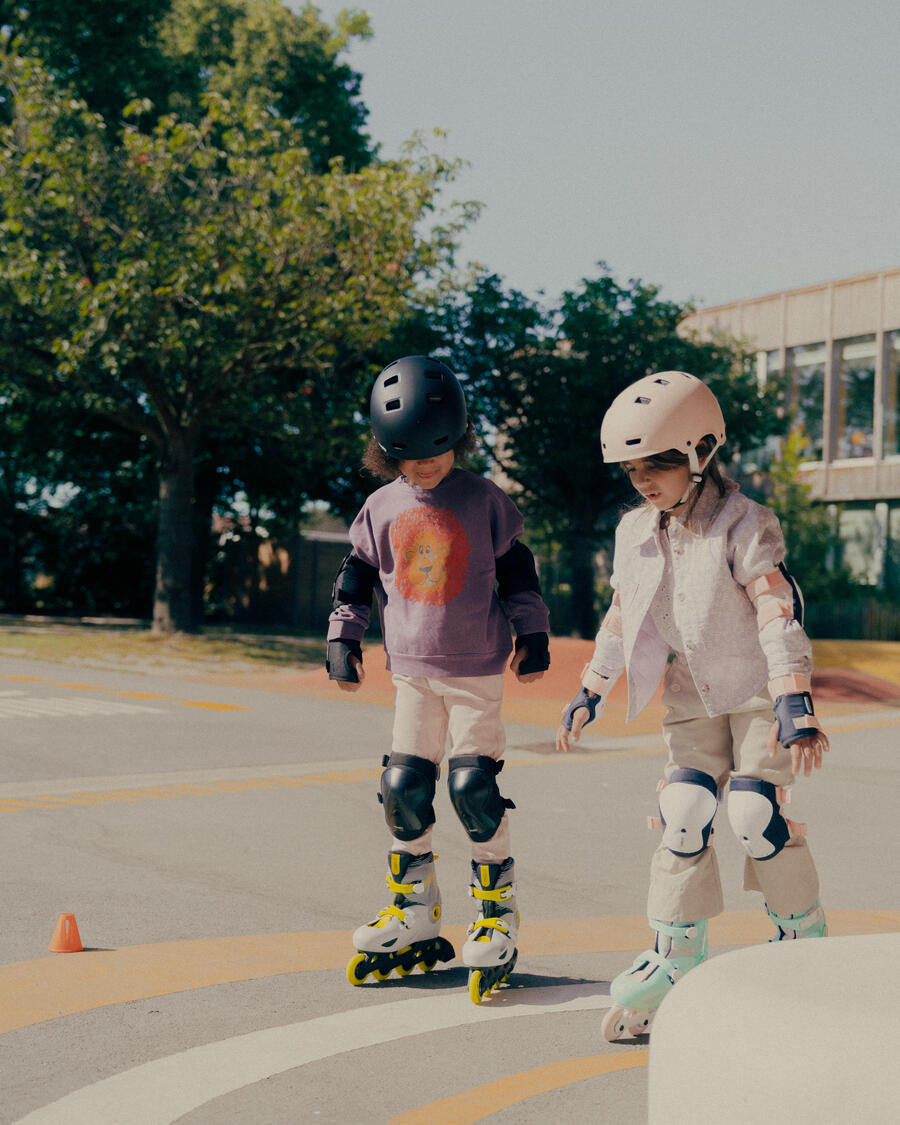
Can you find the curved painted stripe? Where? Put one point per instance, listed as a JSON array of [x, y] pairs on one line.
[[471, 1106], [161, 1091], [67, 983]]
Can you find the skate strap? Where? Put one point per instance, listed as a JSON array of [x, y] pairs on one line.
[[498, 894], [488, 924], [388, 912], [688, 930], [651, 957], [799, 922], [404, 888]]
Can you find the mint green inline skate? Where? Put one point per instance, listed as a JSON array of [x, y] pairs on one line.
[[640, 990]]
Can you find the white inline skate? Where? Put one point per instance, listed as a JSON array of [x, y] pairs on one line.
[[404, 934], [640, 990], [807, 925], [490, 950]]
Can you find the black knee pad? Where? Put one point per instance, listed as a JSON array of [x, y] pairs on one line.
[[407, 793], [472, 782]]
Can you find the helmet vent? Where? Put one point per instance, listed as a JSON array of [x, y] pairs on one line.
[[391, 380], [642, 400], [442, 440], [394, 404], [434, 397], [633, 441], [398, 445], [662, 382]]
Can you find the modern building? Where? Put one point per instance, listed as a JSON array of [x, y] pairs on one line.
[[838, 344]]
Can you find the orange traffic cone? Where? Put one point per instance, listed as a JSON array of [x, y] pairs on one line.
[[66, 938]]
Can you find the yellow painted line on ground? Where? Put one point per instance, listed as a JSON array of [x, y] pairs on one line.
[[471, 1106], [141, 694], [63, 984], [193, 789], [207, 706]]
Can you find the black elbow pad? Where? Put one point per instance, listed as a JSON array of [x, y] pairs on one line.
[[354, 582], [516, 572]]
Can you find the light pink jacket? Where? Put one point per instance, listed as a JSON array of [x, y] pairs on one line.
[[732, 648]]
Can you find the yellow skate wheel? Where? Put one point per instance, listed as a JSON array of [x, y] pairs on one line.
[[353, 974], [381, 974], [404, 970], [428, 964], [475, 991]]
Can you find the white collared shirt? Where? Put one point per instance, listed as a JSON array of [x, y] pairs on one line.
[[727, 542]]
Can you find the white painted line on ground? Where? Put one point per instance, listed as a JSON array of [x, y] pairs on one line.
[[19, 705], [160, 1092]]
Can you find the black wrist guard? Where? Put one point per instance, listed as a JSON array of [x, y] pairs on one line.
[[795, 717], [337, 660], [538, 656]]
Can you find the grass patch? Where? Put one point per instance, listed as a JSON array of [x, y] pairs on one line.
[[220, 649]]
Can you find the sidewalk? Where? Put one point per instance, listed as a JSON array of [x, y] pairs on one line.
[[851, 676]]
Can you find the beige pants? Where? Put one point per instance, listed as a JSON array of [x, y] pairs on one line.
[[688, 889], [468, 709]]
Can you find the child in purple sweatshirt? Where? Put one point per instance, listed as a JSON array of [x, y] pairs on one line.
[[439, 548]]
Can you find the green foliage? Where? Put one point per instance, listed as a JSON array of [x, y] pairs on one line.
[[200, 282], [172, 52], [544, 380], [810, 531]]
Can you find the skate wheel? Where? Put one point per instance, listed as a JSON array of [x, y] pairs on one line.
[[381, 974], [613, 1026], [353, 967], [625, 1023], [428, 963], [476, 992], [404, 970]]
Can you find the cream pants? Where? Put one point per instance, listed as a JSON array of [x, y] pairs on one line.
[[688, 889], [468, 709]]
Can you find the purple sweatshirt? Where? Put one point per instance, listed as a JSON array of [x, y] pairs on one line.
[[435, 551]]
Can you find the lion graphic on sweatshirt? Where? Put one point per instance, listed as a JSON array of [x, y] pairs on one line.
[[431, 555]]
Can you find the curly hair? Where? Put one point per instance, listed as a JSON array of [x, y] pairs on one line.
[[378, 464]]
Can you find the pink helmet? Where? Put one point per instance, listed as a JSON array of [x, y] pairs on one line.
[[668, 410]]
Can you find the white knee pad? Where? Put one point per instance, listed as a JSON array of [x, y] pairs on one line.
[[755, 817], [687, 806]]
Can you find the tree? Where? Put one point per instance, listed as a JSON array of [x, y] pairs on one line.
[[171, 52], [814, 549], [544, 382], [196, 275]]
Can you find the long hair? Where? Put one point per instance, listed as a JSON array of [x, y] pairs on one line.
[[713, 474]]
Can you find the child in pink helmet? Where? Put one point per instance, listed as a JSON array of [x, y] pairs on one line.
[[703, 599]]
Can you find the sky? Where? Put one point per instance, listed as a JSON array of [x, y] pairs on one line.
[[718, 149]]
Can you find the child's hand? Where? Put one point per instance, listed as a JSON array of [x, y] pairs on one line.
[[521, 655], [583, 709], [806, 753], [353, 685]]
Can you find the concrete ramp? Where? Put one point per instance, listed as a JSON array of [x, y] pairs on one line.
[[804, 1031]]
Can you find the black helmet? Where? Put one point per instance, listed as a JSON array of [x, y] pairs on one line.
[[418, 409]]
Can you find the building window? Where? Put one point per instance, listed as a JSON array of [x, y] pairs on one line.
[[892, 394], [806, 395], [854, 420]]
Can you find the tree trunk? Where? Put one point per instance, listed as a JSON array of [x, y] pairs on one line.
[[581, 556], [172, 602]]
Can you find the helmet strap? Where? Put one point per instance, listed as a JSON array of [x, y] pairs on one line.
[[696, 470]]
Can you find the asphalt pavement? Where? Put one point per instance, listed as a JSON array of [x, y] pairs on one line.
[[217, 839]]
